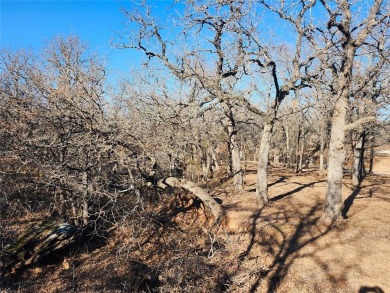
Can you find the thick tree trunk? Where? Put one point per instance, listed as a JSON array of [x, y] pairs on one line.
[[334, 202], [235, 157], [358, 161], [262, 167], [210, 204]]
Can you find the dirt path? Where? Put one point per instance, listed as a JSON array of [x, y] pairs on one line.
[[285, 248]]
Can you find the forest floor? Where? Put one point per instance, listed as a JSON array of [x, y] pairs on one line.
[[296, 252], [284, 247]]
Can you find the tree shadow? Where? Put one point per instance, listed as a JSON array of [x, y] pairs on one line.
[[349, 202], [307, 231], [280, 180], [303, 186], [375, 289], [372, 188], [253, 231]]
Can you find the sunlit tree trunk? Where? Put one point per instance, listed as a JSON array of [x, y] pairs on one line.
[[262, 167], [336, 159]]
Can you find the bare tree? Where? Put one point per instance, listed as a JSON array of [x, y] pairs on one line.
[[297, 78], [216, 65], [347, 32]]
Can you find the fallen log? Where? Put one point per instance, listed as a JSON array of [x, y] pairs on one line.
[[37, 243]]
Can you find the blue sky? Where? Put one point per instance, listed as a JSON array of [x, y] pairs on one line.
[[32, 24]]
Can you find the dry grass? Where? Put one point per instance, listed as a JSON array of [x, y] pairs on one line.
[[283, 247]]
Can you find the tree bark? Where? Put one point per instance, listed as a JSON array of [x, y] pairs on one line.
[[358, 161], [288, 151], [276, 157], [262, 167], [300, 165], [215, 163], [234, 152], [372, 154], [334, 202], [236, 161], [322, 146], [210, 204], [206, 164], [245, 166], [84, 211]]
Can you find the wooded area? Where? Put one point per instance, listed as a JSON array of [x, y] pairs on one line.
[[229, 89]]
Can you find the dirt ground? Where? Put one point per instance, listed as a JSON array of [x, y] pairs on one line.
[[288, 249], [283, 247]]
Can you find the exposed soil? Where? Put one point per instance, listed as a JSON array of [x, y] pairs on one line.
[[296, 252], [284, 247]]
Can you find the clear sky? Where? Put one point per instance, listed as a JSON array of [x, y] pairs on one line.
[[33, 23]]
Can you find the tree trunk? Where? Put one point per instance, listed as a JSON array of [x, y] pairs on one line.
[[206, 164], [288, 161], [234, 152], [215, 163], [256, 153], [210, 204], [236, 161], [245, 166], [59, 190], [276, 157], [297, 151], [84, 211], [334, 202], [194, 168], [300, 165], [358, 161], [322, 146], [262, 167], [372, 154]]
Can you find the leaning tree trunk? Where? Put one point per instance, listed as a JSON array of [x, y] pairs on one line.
[[209, 202], [358, 161], [262, 167], [336, 159]]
